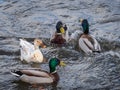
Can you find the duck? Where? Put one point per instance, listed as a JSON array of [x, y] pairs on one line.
[[61, 35], [87, 42], [30, 52], [38, 75]]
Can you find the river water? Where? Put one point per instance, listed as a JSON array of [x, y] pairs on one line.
[[31, 19]]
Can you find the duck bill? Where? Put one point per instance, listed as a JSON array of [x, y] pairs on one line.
[[43, 45], [80, 20], [62, 30], [62, 63]]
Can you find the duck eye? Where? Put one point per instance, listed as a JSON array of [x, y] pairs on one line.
[[37, 41], [58, 61]]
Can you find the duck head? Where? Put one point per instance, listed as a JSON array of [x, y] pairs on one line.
[[60, 28], [53, 63], [85, 26], [38, 42]]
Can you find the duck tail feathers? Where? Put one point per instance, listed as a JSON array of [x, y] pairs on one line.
[[16, 73]]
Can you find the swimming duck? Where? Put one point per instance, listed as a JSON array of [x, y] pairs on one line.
[[85, 41], [38, 76], [88, 43], [61, 35], [30, 52]]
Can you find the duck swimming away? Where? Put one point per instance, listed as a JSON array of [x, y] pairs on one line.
[[88, 43]]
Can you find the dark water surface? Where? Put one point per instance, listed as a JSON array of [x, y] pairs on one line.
[[31, 19]]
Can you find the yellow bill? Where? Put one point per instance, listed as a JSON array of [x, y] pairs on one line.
[[81, 20], [62, 63], [62, 30]]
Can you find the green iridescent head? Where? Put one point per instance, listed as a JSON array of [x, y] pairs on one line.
[[53, 63], [85, 26]]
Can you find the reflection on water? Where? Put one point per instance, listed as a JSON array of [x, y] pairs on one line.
[[36, 19]]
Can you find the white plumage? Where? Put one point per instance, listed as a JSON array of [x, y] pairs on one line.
[[30, 52]]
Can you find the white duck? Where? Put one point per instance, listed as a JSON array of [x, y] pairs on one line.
[[86, 42], [30, 52]]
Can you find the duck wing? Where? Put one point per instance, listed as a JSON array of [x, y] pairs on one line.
[[37, 56], [26, 45], [66, 36], [36, 80], [26, 49], [85, 45], [96, 45], [33, 76], [38, 73]]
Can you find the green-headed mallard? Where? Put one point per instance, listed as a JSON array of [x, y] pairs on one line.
[[61, 35], [87, 42], [34, 76], [30, 52]]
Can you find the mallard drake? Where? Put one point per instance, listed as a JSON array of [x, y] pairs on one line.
[[38, 76], [61, 34], [30, 52], [88, 43]]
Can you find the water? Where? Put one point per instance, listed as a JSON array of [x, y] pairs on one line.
[[31, 19]]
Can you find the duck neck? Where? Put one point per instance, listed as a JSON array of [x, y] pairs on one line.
[[52, 70], [55, 78], [86, 33], [36, 47]]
